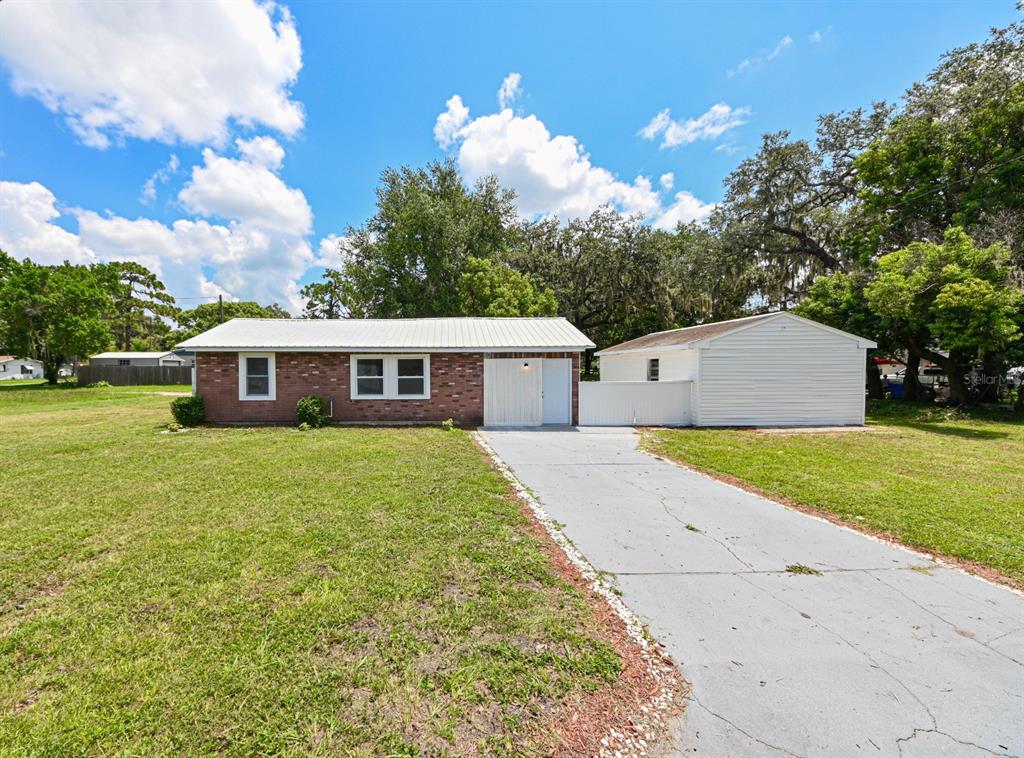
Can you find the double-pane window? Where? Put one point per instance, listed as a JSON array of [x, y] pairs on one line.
[[370, 377]]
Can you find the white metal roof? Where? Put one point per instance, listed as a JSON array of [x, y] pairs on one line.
[[700, 336], [130, 354], [397, 335]]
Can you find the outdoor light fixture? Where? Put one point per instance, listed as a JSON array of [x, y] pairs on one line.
[[526, 366]]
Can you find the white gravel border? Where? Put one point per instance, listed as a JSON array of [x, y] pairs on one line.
[[649, 723]]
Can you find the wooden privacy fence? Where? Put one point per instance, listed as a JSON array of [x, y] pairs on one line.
[[635, 403], [123, 376]]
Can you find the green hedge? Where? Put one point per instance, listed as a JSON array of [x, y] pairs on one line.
[[188, 411], [311, 410]]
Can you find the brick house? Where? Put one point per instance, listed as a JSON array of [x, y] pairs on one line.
[[494, 371]]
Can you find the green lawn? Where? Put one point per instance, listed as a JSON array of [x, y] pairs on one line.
[[934, 478], [342, 591]]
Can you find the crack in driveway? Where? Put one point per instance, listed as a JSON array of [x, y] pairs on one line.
[[694, 699], [932, 613], [901, 741]]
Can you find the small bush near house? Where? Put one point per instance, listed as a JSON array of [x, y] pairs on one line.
[[304, 427], [188, 411], [174, 426], [96, 385], [310, 410], [448, 424]]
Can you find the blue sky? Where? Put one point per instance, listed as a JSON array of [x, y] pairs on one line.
[[98, 99]]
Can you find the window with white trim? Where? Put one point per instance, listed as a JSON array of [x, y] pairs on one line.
[[653, 369], [412, 377], [256, 376], [390, 377], [369, 377]]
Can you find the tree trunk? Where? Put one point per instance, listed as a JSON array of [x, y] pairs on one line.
[[1020, 395], [588, 360], [990, 381], [912, 375], [874, 378], [959, 395], [51, 371]]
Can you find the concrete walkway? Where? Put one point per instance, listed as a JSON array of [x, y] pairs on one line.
[[884, 654]]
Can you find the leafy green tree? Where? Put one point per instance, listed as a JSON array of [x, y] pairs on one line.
[[206, 316], [949, 301], [606, 272], [489, 288], [406, 260], [140, 301], [708, 279], [790, 209], [325, 299], [954, 156], [53, 313]]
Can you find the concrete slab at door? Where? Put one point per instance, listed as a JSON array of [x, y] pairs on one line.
[[512, 391], [557, 382]]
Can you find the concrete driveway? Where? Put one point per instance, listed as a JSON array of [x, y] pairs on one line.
[[884, 654]]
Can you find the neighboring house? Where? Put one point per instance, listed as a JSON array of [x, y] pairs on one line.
[[498, 371], [135, 358], [744, 372], [20, 368]]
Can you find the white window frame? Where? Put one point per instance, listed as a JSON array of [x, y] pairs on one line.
[[390, 375], [271, 370]]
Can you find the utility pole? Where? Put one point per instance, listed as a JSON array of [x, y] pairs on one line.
[[220, 301]]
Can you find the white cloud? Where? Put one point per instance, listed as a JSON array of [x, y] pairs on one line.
[[686, 208], [729, 148], [450, 122], [820, 34], [510, 90], [329, 253], [553, 175], [716, 121], [263, 151], [164, 71], [247, 191], [27, 213], [248, 262], [749, 64], [161, 176]]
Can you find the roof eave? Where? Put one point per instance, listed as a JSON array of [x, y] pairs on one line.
[[379, 349], [638, 350]]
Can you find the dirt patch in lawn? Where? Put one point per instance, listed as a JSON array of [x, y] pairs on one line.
[[973, 567], [627, 717]]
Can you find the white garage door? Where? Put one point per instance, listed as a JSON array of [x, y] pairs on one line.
[[527, 391]]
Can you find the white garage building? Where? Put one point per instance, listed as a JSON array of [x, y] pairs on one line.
[[775, 369]]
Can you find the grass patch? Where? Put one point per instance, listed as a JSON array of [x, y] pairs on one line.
[[935, 478], [799, 568], [266, 591]]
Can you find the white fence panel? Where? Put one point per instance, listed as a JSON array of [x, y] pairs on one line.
[[635, 403]]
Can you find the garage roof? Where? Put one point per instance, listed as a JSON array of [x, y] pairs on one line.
[[686, 337], [397, 335]]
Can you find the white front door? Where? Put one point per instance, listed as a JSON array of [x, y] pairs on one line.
[[557, 390], [512, 391]]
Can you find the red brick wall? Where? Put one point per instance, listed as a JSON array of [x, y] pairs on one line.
[[456, 389]]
